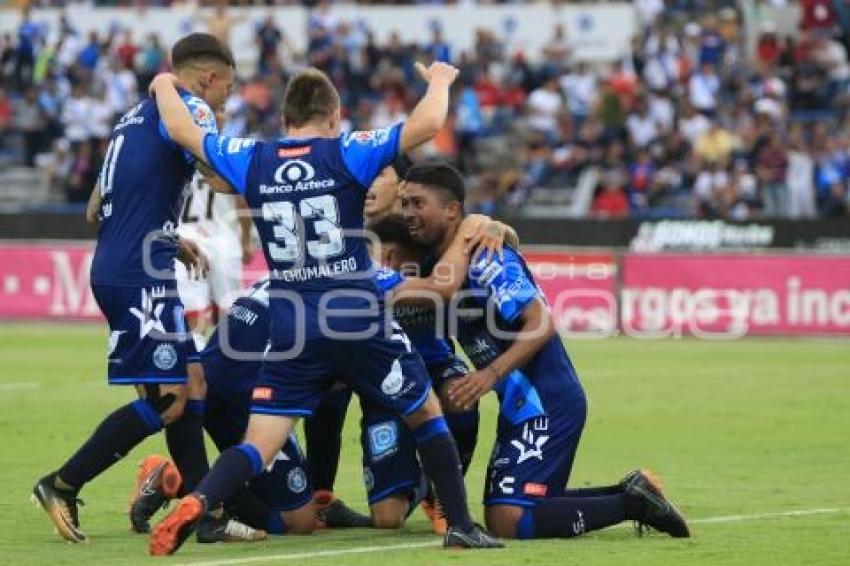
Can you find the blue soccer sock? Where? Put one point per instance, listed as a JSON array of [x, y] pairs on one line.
[[234, 468], [567, 517], [116, 435], [185, 439], [441, 463]]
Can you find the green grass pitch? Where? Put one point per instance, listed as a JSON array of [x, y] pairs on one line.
[[744, 433]]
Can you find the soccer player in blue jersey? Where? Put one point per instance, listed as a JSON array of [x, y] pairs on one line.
[[327, 320], [503, 324], [132, 276]]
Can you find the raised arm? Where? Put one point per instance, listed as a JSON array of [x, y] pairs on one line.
[[175, 116], [430, 114]]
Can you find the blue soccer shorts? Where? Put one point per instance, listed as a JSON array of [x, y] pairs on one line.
[[532, 460], [148, 341]]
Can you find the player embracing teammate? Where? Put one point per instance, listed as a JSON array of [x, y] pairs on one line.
[[327, 319]]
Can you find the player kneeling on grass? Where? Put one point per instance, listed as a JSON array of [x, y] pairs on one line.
[[310, 187], [277, 501], [506, 329]]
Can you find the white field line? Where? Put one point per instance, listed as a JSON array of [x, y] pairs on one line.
[[19, 385], [435, 543]]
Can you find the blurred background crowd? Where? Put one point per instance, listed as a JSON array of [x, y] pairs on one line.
[[690, 123]]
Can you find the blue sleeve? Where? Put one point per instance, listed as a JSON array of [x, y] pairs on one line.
[[506, 281], [230, 158], [366, 153], [201, 113], [387, 279]]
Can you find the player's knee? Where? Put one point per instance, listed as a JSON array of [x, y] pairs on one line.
[[501, 520], [388, 514], [429, 410], [169, 402], [197, 384]]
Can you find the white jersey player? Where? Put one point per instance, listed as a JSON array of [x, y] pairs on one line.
[[212, 220]]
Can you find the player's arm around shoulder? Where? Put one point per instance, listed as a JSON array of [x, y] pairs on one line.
[[430, 114], [477, 234], [175, 116]]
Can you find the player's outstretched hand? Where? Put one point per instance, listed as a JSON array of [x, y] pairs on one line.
[[437, 73], [465, 392], [193, 258], [161, 79]]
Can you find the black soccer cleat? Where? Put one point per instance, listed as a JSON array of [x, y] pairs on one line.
[[477, 537], [61, 507], [651, 507], [157, 482], [338, 515], [224, 529]]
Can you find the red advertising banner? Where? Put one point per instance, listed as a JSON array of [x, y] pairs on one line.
[[734, 295], [581, 290], [661, 295]]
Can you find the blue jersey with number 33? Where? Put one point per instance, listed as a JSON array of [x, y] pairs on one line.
[[142, 184], [308, 195]]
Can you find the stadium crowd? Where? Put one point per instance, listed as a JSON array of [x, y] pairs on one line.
[[687, 125]]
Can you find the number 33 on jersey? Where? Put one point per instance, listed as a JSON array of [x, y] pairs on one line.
[[308, 197]]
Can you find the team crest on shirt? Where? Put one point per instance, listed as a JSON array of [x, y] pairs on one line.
[[165, 357], [296, 480], [202, 114]]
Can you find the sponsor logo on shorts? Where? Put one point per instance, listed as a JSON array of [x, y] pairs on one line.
[[296, 480], [262, 394], [535, 489], [531, 445], [394, 380], [383, 440], [165, 357], [288, 152], [506, 485]]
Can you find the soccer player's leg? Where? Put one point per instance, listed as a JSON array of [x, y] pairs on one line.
[[144, 350], [185, 439], [195, 294], [387, 372], [394, 480], [524, 489], [285, 391], [285, 489], [323, 435], [462, 424]]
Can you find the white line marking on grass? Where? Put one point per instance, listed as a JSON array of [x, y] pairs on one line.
[[759, 516], [316, 554], [435, 543], [19, 385]]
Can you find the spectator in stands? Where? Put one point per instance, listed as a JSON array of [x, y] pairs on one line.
[[6, 116], [29, 34], [31, 121], [610, 200], [704, 89], [221, 22], [771, 170], [268, 38], [716, 144], [90, 53], [543, 106], [579, 85]]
